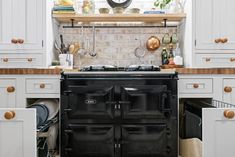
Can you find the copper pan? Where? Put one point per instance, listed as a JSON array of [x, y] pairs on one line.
[[153, 43]]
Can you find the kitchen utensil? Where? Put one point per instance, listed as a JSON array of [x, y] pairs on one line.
[[63, 47], [104, 10], [57, 48], [71, 48], [153, 43], [42, 113], [140, 50], [82, 50], [93, 52], [52, 106], [166, 39], [76, 48]]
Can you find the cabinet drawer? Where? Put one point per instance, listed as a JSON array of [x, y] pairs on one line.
[[21, 60], [215, 60], [195, 86], [42, 86]]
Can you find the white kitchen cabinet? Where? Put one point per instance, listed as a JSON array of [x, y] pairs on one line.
[[229, 90], [21, 19], [218, 132], [18, 133], [7, 93], [214, 24]]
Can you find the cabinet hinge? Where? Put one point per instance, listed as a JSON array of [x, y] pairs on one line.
[[42, 43], [195, 42]]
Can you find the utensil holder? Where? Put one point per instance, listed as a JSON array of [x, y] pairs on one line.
[[66, 61]]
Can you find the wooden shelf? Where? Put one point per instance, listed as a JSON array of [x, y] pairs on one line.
[[148, 18]]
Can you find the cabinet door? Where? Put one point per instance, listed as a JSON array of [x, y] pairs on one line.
[[18, 133], [217, 133], [7, 93], [227, 24], [21, 19], [207, 23], [229, 91], [88, 141]]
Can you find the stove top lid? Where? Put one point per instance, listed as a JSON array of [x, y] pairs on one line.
[[142, 67]]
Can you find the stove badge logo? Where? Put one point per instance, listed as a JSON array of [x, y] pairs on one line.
[[90, 102]]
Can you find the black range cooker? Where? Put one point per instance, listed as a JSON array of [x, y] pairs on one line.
[[119, 114]]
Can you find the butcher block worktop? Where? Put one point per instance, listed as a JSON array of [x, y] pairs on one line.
[[206, 71], [58, 71], [32, 71]]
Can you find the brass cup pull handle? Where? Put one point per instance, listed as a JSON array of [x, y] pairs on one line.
[[229, 114], [225, 40], [9, 115], [10, 89], [208, 59], [42, 86], [228, 89], [218, 40], [5, 59], [14, 41], [20, 41], [30, 59], [195, 86], [232, 59]]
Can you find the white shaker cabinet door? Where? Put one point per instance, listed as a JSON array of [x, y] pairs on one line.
[[227, 14], [218, 133], [207, 24], [21, 19], [18, 133], [8, 23], [7, 93]]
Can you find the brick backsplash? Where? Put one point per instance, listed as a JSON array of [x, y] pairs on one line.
[[115, 46]]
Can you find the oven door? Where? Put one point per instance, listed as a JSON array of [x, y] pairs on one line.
[[90, 102], [89, 141], [146, 141], [144, 102]]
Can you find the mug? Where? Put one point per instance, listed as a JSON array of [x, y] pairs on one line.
[[166, 39], [174, 38]]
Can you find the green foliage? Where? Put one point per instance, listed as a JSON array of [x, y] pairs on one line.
[[162, 3]]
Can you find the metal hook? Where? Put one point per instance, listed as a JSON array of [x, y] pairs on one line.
[[72, 23], [165, 22]]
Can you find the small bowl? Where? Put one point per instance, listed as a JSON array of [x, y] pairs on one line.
[[104, 10], [134, 11], [118, 10]]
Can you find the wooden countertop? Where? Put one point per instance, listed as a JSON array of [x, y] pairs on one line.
[[32, 71], [206, 71]]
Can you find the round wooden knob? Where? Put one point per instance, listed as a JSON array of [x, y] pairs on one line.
[[232, 59], [14, 41], [228, 89], [195, 86], [225, 40], [229, 114], [9, 115], [30, 59], [5, 60], [10, 89], [20, 41], [217, 40], [42, 86], [208, 59]]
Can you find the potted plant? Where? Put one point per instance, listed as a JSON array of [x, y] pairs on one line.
[[162, 4]]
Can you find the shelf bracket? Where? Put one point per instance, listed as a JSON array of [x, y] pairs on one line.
[[72, 23], [165, 20]]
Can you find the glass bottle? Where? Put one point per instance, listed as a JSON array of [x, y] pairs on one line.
[[165, 56]]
